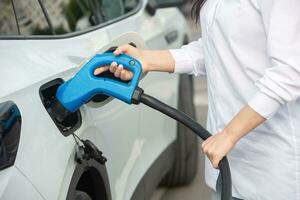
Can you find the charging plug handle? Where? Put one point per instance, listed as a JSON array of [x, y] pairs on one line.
[[84, 85]]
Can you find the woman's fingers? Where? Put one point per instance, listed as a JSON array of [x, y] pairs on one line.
[[118, 71], [210, 148], [214, 157], [100, 70], [126, 75], [216, 147], [205, 144], [113, 66], [215, 161], [207, 147]]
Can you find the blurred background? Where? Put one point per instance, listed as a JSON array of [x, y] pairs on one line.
[[198, 187]]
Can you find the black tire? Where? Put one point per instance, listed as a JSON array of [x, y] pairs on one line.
[[186, 145], [80, 195]]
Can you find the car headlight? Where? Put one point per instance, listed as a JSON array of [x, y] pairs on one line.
[[10, 129]]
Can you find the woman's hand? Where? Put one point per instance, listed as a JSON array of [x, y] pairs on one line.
[[218, 146], [117, 69]]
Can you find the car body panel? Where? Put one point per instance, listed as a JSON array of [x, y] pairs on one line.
[[46, 157], [11, 180], [35, 60]]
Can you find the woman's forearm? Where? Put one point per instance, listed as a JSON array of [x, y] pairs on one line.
[[159, 60], [245, 121], [220, 144]]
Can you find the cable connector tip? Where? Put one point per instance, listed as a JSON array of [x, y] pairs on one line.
[[136, 97]]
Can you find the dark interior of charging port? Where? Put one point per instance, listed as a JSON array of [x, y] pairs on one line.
[[70, 122]]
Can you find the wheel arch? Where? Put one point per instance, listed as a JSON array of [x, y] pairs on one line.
[[92, 179]]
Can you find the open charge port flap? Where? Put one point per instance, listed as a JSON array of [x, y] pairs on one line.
[[47, 93]]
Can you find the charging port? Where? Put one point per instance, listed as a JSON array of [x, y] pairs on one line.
[[70, 122]]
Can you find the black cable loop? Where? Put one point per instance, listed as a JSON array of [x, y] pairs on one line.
[[226, 193]]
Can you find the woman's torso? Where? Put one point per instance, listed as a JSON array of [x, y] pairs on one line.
[[265, 163]]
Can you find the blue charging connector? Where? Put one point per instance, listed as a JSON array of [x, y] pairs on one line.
[[84, 85]]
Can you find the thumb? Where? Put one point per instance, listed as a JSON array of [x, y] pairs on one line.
[[123, 49], [100, 70]]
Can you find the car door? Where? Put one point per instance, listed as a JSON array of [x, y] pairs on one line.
[[166, 29], [33, 56]]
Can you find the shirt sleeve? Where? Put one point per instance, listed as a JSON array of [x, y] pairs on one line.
[[281, 82], [189, 58]]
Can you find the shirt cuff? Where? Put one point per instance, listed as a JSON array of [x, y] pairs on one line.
[[264, 105], [182, 64]]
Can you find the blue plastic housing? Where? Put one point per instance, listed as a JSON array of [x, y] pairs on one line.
[[84, 85]]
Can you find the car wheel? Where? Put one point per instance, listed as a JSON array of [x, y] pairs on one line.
[[80, 195], [185, 165]]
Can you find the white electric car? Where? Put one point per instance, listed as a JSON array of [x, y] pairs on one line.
[[42, 44]]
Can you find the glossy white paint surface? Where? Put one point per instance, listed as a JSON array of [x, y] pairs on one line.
[[14, 185], [131, 137]]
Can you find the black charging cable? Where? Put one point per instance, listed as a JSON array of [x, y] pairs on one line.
[[140, 97]]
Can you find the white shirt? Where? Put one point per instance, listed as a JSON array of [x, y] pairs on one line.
[[250, 53]]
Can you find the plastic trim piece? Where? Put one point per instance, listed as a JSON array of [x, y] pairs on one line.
[[47, 94]]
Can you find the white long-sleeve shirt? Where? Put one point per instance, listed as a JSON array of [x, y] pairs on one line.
[[250, 53]]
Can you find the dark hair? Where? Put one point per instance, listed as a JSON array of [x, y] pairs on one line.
[[197, 4]]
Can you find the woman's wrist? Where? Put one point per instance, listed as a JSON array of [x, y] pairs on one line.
[[244, 122], [161, 61], [232, 135], [143, 58]]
